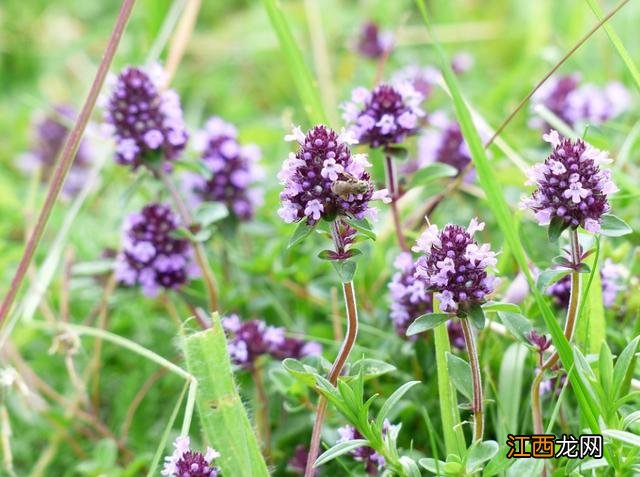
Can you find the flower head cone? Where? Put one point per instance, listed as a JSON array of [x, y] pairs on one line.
[[185, 462]]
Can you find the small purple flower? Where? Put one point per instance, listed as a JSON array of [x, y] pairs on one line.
[[571, 186], [385, 116], [540, 342], [442, 142], [323, 179], [409, 296], [574, 103], [147, 122], [50, 134], [233, 170], [254, 338], [374, 43], [553, 384], [185, 462], [373, 462], [151, 256], [560, 292], [456, 335], [612, 276], [422, 78], [462, 62], [454, 266], [298, 462]]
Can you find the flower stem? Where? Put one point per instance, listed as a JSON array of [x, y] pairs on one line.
[[66, 158], [336, 369], [569, 327], [201, 257], [262, 412], [478, 399], [392, 185]]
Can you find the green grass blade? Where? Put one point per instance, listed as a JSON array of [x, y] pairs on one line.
[[510, 390], [305, 84], [222, 415], [508, 226], [617, 43], [591, 327]]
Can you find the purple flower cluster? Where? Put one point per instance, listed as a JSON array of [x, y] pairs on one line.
[[574, 103], [454, 266], [50, 134], [232, 167], [254, 338], [570, 184], [421, 78], [373, 462], [323, 179], [185, 462], [409, 296], [611, 278], [147, 122], [151, 256], [374, 43], [441, 142], [385, 116]]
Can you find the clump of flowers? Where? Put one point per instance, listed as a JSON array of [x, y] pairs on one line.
[[385, 116], [50, 134], [571, 186], [373, 462], [323, 179], [409, 296], [151, 255], [233, 170], [455, 266], [441, 142], [146, 120], [185, 462], [574, 103], [374, 43], [254, 338]]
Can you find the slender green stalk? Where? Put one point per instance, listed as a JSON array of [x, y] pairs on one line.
[[474, 363], [263, 426], [336, 369], [66, 159]]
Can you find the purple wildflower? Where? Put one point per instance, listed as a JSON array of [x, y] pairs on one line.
[[560, 292], [151, 256], [454, 266], [50, 134], [385, 116], [612, 276], [456, 335], [187, 463], [540, 342], [298, 462], [254, 338], [553, 384], [409, 296], [373, 462], [374, 43], [462, 62], [574, 103], [232, 167], [147, 122], [422, 78], [323, 179], [570, 184]]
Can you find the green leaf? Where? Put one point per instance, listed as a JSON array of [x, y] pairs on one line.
[[495, 306], [346, 269], [612, 226], [302, 372], [363, 226], [326, 255], [460, 373], [340, 449], [556, 227], [426, 322], [605, 368], [432, 173], [392, 401], [409, 466], [301, 232], [479, 454], [476, 315], [432, 465], [623, 369], [547, 277], [208, 213], [371, 368], [498, 464], [397, 152], [518, 325], [622, 436], [510, 379], [223, 417]]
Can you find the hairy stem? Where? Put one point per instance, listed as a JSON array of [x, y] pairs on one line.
[[201, 257], [478, 399], [569, 327], [262, 412], [66, 158], [336, 369], [392, 185]]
